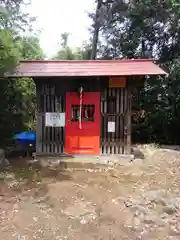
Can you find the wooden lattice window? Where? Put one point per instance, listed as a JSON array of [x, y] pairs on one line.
[[87, 114]]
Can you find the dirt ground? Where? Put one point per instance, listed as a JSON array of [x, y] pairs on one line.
[[140, 200]]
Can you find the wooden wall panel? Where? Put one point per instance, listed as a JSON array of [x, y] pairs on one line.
[[50, 140], [115, 107]]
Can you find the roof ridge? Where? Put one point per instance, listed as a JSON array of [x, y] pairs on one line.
[[86, 61]]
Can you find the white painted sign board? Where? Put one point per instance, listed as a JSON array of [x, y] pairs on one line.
[[54, 119], [111, 127]]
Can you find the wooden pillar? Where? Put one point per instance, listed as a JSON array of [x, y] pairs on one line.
[[38, 119], [129, 124], [127, 120]]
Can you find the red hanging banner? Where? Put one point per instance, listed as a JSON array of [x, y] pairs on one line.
[[80, 108]]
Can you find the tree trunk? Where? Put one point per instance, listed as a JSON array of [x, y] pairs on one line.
[[96, 30]]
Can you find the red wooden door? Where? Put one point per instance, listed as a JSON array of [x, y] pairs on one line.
[[82, 134]]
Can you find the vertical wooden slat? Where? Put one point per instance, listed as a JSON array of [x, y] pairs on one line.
[[54, 133], [125, 119], [43, 120], [129, 122], [48, 139], [108, 134], [116, 122], [53, 129], [38, 133], [118, 109], [38, 122], [114, 95], [121, 120], [62, 129], [56, 130], [45, 128], [59, 139], [103, 129], [105, 122]]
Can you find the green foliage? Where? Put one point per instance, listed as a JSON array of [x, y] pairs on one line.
[[13, 18], [12, 22], [66, 53], [141, 29], [29, 48], [84, 52], [18, 98], [8, 51], [147, 29], [64, 39]]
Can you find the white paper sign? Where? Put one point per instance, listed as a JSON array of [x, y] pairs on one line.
[[111, 126], [54, 119]]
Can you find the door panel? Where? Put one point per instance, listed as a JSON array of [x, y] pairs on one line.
[[82, 135]]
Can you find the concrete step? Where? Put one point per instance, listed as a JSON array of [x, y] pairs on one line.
[[83, 162]]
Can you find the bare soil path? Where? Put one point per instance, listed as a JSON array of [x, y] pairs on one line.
[[140, 200]]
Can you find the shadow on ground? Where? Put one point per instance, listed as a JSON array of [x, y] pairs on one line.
[[170, 147], [21, 174]]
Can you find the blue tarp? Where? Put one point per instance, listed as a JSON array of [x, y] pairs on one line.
[[28, 138]]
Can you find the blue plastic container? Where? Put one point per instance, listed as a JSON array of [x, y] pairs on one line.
[[27, 138]]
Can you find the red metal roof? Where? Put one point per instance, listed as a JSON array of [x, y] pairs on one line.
[[87, 68]]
